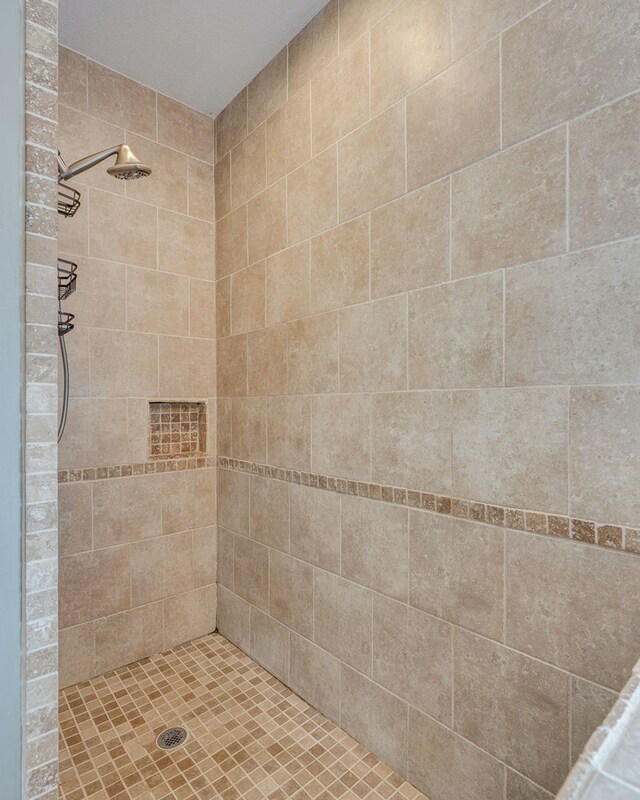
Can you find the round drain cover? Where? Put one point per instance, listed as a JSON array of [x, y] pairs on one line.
[[172, 738]]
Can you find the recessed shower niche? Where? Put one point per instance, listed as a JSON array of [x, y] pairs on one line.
[[177, 429]]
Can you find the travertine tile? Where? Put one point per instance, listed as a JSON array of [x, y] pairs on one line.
[[120, 100], [455, 119], [408, 46], [231, 124], [187, 367], [510, 209], [77, 646], [72, 81], [371, 163], [123, 364], [268, 90], [222, 186], [373, 346], [545, 345], [357, 16], [521, 788], [342, 619], [289, 432], [269, 518], [249, 425], [512, 706], [233, 501], [289, 136], [339, 266], [476, 21], [233, 617], [375, 546], [494, 426], [169, 186], [201, 189], [74, 518], [269, 644], [545, 83], [604, 179], [136, 242], [410, 241], [189, 615], [204, 556], [202, 309], [448, 767], [125, 510], [457, 572], [604, 441], [188, 500], [185, 245], [341, 440], [314, 674], [185, 129], [267, 222], [315, 526], [590, 704], [291, 592], [226, 546], [312, 197], [312, 354], [123, 638], [411, 440], [248, 167], [340, 96], [375, 717], [231, 243], [95, 435], [456, 334], [232, 366], [248, 299], [251, 572], [555, 609], [156, 302], [267, 361], [314, 47], [288, 284]]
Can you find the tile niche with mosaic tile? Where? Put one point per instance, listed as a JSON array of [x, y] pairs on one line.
[[177, 429]]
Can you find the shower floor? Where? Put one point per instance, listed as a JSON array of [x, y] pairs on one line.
[[249, 735]]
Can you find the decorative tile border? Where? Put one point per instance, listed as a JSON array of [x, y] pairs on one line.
[[613, 537], [127, 470]]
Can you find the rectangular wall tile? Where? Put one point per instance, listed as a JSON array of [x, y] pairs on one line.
[[291, 592], [312, 197], [340, 434], [315, 675], [315, 527], [312, 354], [267, 222], [339, 266], [269, 515], [251, 572], [289, 432], [269, 644]]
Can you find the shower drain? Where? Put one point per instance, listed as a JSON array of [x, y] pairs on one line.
[[172, 738]]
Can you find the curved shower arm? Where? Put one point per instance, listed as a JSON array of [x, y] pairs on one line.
[[65, 172]]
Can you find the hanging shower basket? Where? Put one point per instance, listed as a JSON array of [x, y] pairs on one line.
[[66, 278], [68, 200]]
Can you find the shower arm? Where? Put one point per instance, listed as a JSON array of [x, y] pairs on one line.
[[65, 172]]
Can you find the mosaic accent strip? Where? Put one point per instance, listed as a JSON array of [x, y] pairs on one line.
[[177, 430], [127, 470], [614, 537]]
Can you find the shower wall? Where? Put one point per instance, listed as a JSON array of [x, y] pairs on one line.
[[429, 412], [137, 534]]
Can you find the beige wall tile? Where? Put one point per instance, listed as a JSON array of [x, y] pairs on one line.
[[233, 617], [74, 589], [357, 16], [187, 367], [411, 440], [157, 302], [341, 440], [177, 575], [109, 579], [455, 119], [523, 434], [222, 186], [446, 766], [342, 619], [185, 129], [73, 234], [312, 354], [268, 90], [75, 529], [512, 706], [604, 444], [126, 637], [122, 230], [223, 307], [288, 292], [269, 519], [289, 136], [148, 564], [95, 435], [188, 500], [204, 556], [314, 674], [596, 344], [202, 309], [408, 46], [555, 608], [312, 197], [123, 364], [223, 426], [185, 245], [372, 163], [168, 186], [77, 649], [510, 209], [590, 704], [373, 346], [201, 189], [72, 80], [456, 334], [248, 299], [100, 297], [375, 717], [267, 361], [340, 266], [457, 571], [251, 572], [375, 545], [410, 241], [231, 124], [226, 548], [231, 243], [604, 180], [248, 421], [269, 644], [412, 657], [315, 526], [595, 63], [521, 788], [122, 101], [248, 167], [126, 510], [232, 366], [189, 615], [340, 96], [476, 21], [289, 432], [314, 47], [233, 500], [291, 592], [267, 222]]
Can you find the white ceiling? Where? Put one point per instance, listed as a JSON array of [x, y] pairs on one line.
[[201, 52]]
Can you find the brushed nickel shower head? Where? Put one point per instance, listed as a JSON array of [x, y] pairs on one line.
[[127, 166]]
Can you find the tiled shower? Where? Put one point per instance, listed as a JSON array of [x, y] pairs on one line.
[[349, 482]]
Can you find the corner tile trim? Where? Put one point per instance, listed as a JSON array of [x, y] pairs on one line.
[[127, 470], [612, 537]]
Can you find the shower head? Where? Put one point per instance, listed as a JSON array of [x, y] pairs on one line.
[[127, 166]]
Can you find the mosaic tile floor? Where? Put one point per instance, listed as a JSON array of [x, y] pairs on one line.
[[249, 736]]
